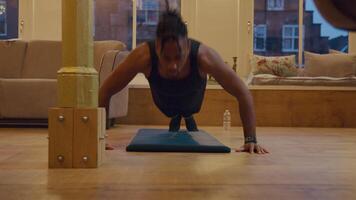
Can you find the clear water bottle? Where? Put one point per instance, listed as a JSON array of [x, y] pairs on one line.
[[227, 120]]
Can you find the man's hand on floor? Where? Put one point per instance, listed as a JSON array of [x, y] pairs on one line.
[[252, 148], [109, 147]]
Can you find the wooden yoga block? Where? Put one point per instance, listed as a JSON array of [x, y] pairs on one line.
[[76, 137], [60, 128]]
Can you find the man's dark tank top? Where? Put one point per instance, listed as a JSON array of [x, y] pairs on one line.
[[177, 97]]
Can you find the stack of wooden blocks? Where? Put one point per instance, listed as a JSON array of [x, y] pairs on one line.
[[76, 137]]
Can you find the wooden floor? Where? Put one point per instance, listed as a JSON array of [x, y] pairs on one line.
[[304, 164]]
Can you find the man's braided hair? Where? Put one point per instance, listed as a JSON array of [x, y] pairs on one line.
[[170, 26]]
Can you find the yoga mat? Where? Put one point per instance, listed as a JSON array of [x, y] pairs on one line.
[[161, 140]]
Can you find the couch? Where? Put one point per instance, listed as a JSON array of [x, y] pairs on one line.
[[28, 72], [333, 69]]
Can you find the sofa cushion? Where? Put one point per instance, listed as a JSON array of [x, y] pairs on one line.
[[107, 65], [43, 59], [280, 66], [27, 98], [268, 79], [12, 55], [119, 101], [101, 47], [330, 65], [333, 51]]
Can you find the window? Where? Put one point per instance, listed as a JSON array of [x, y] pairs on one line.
[[148, 12], [290, 38], [260, 35], [320, 36], [3, 22], [275, 4], [113, 20], [9, 17], [287, 33], [271, 43]]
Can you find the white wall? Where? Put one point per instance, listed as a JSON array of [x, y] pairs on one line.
[[188, 8], [222, 25], [214, 23], [26, 19], [42, 19], [245, 37]]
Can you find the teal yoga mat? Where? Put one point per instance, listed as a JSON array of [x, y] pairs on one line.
[[160, 140]]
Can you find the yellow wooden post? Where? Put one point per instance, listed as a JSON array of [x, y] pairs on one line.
[[77, 80], [80, 136]]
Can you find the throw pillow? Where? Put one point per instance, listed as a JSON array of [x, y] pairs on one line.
[[284, 66], [331, 65]]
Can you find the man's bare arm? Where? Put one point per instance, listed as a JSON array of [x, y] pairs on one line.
[[211, 63]]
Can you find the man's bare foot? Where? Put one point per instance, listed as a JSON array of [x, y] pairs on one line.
[[191, 124], [174, 125], [109, 147]]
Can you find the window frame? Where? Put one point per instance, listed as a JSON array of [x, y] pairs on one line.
[[5, 18], [293, 37]]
